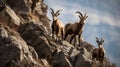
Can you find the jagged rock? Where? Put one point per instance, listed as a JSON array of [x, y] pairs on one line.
[[83, 59], [38, 49], [60, 60], [45, 63], [9, 18], [31, 11], [89, 47], [35, 35], [69, 51], [14, 51]]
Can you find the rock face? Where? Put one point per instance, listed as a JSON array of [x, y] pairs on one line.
[[14, 51], [58, 53], [25, 40], [18, 12], [9, 18]]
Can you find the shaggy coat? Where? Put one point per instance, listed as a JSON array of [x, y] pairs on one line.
[[99, 53], [75, 28], [57, 25]]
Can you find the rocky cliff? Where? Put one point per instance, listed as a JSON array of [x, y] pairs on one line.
[[25, 39]]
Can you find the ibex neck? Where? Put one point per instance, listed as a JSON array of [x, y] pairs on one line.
[[54, 21], [81, 22], [101, 47], [79, 27]]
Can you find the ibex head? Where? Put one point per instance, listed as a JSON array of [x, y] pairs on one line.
[[55, 14], [83, 18], [100, 42]]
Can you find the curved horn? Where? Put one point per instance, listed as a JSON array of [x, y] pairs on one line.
[[79, 13], [102, 40], [85, 14], [58, 11], [97, 40], [52, 10]]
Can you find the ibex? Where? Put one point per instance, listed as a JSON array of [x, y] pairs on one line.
[[76, 28], [57, 25], [99, 52]]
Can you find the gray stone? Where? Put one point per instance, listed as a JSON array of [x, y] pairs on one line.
[[14, 51]]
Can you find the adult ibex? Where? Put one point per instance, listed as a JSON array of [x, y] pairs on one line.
[[75, 28], [99, 52], [57, 25]]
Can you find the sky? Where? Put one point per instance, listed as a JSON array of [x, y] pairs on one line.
[[103, 21]]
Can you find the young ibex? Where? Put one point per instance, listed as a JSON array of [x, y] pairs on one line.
[[57, 25], [76, 28], [99, 52]]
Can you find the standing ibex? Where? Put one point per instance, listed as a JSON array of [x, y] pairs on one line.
[[57, 26], [76, 28], [99, 52]]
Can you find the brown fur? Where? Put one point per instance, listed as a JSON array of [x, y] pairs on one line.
[[57, 25], [76, 28], [99, 53]]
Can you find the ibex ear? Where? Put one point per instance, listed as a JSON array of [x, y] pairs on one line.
[[58, 14], [86, 17], [102, 40]]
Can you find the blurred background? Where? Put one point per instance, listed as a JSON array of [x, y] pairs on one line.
[[103, 21]]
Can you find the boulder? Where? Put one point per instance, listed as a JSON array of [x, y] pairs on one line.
[[9, 18], [14, 51], [89, 47], [59, 59], [83, 59], [31, 11], [36, 36]]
